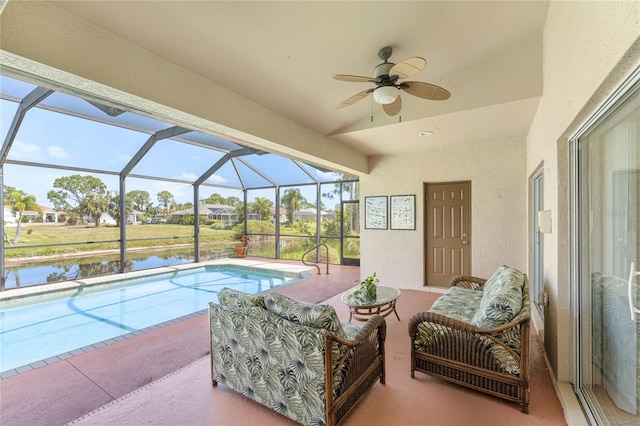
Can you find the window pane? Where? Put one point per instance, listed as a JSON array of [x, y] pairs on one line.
[[7, 112], [281, 170], [609, 194], [176, 160], [59, 139]]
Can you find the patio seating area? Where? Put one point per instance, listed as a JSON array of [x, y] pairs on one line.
[[163, 377]]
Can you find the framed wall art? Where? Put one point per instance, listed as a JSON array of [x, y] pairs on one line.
[[375, 212], [403, 212]]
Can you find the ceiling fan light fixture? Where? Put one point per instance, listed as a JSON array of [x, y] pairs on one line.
[[385, 94], [386, 91]]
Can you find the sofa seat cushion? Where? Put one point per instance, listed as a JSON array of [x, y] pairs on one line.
[[501, 298], [239, 299], [458, 303], [311, 315]]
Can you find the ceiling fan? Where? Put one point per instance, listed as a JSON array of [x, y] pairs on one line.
[[387, 89]]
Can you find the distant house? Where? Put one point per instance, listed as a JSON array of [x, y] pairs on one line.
[[9, 216], [222, 212], [107, 219], [282, 215], [134, 217], [48, 215], [312, 214], [31, 216], [226, 214]]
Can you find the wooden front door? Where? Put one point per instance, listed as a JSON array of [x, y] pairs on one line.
[[447, 231]]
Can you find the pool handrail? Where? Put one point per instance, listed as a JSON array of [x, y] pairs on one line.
[[315, 264]]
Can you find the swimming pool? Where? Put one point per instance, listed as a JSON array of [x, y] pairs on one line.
[[44, 329]]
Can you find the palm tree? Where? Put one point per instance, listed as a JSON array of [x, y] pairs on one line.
[[113, 208], [19, 203], [292, 200], [352, 189], [261, 206], [94, 205]]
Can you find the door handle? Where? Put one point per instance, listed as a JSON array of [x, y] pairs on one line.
[[465, 242], [632, 308]]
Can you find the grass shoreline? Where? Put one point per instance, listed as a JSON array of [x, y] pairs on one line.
[[49, 241], [20, 260]]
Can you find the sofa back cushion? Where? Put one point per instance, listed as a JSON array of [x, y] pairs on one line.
[[501, 298], [239, 299], [311, 315]]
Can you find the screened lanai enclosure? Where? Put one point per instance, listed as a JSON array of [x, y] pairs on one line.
[[90, 189]]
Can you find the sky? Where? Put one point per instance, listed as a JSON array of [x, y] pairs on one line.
[[62, 140]]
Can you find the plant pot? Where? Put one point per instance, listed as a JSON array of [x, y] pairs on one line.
[[241, 251]]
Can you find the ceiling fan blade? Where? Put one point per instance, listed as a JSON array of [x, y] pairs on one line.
[[408, 67], [354, 78], [355, 98], [394, 107], [425, 90]]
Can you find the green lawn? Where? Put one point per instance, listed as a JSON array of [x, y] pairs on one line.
[[153, 235], [60, 239]]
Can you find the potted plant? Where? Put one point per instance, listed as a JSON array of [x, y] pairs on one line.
[[368, 288], [241, 250]]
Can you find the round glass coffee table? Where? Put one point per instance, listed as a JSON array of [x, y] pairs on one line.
[[384, 304]]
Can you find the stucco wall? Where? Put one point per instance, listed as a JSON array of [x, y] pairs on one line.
[[584, 43], [496, 170]]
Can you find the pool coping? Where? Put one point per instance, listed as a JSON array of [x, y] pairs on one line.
[[287, 269], [44, 289]]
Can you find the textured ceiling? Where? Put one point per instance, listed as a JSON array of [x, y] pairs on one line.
[[282, 55]]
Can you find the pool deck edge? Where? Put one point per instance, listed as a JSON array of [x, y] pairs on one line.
[[45, 289]]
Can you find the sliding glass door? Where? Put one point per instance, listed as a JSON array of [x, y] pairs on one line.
[[606, 250]]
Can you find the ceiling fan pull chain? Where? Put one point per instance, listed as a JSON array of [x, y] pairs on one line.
[[371, 105]]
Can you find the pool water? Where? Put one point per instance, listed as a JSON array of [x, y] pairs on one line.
[[42, 327]]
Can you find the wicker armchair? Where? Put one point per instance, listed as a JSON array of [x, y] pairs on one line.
[[491, 360], [294, 358]]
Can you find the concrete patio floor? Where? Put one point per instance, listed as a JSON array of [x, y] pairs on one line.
[[162, 377]]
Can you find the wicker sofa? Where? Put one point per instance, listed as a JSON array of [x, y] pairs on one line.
[[477, 334], [297, 359]]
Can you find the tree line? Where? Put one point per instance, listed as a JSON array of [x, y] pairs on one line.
[[83, 197]]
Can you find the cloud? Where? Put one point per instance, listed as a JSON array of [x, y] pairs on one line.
[[24, 151], [57, 152], [32, 152], [188, 176], [216, 179]]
